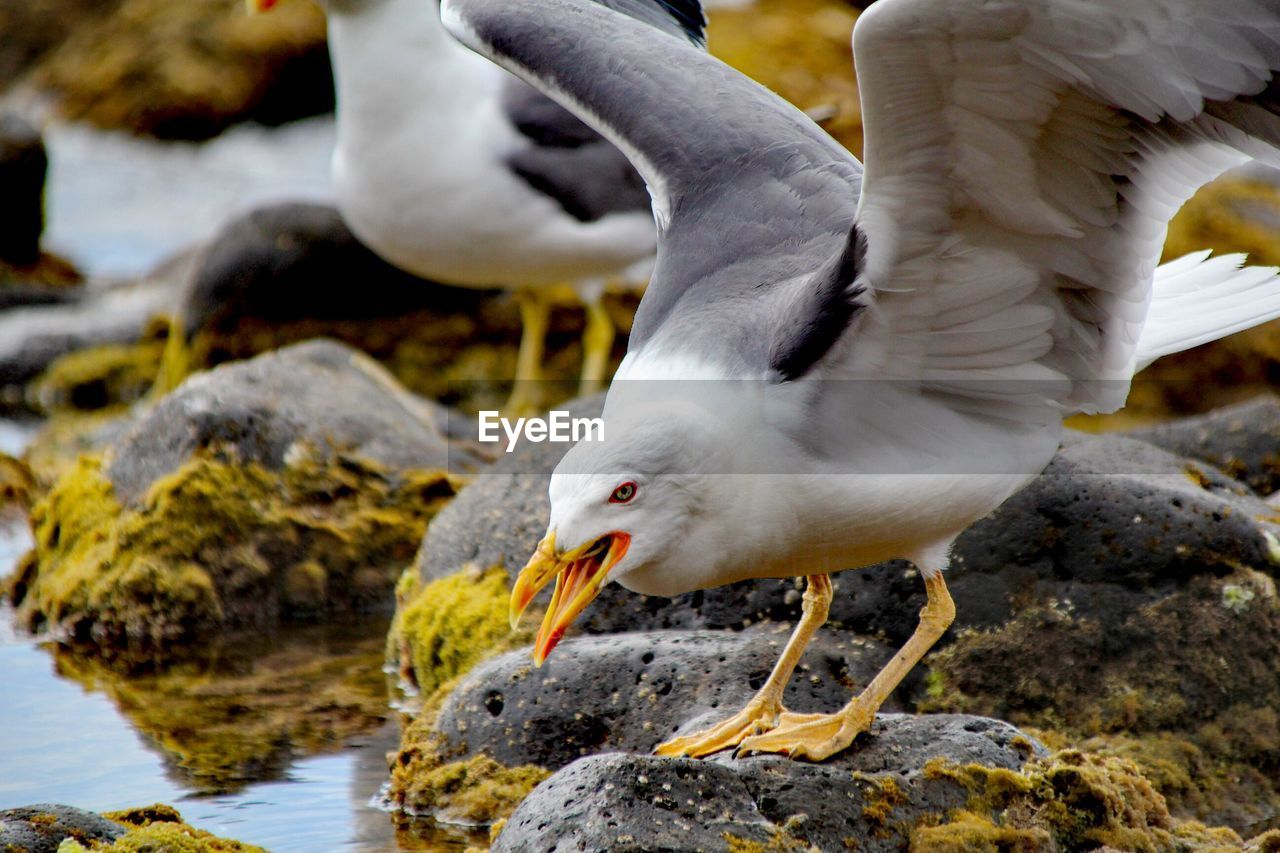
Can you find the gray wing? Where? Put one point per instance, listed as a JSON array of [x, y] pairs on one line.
[[755, 204], [568, 161]]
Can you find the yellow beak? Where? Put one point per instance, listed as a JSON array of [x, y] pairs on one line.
[[255, 6], [580, 575]]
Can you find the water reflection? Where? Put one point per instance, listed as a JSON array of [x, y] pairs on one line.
[[102, 740]]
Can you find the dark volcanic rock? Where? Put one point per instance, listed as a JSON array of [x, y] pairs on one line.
[[1242, 440], [643, 688], [300, 261], [634, 802], [320, 394], [42, 827], [22, 169]]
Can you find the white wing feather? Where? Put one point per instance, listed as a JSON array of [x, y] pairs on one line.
[[1023, 158]]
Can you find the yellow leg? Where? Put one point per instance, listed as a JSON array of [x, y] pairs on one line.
[[765, 708], [820, 736], [535, 317], [174, 365], [597, 346]]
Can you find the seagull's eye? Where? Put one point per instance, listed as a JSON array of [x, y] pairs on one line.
[[623, 494]]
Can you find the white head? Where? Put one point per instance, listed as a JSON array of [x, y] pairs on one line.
[[630, 505]]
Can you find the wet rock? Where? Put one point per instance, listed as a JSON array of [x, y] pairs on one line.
[[867, 798], [41, 828], [22, 167], [293, 486], [1243, 440], [188, 70]]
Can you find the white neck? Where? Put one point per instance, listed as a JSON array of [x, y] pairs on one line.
[[393, 61]]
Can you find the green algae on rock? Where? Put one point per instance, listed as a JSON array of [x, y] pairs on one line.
[[217, 546], [250, 706], [447, 626], [156, 828], [1067, 801]]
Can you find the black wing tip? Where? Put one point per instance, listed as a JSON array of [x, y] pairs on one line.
[[690, 17]]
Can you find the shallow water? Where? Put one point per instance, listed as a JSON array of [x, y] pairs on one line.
[[117, 205], [69, 741]]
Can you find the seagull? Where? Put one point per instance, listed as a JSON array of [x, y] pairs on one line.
[[834, 366], [454, 170]]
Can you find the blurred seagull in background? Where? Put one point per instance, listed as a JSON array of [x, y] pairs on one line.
[[885, 355], [454, 170]]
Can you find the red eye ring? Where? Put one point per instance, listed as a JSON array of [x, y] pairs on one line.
[[624, 493]]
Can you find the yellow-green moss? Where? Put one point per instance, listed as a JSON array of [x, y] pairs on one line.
[[219, 545], [452, 623], [99, 377], [477, 789], [800, 49], [781, 841], [883, 796], [1068, 801], [253, 705], [967, 832], [158, 829]]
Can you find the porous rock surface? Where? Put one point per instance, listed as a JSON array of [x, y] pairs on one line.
[[856, 800], [40, 828], [1242, 440], [628, 692]]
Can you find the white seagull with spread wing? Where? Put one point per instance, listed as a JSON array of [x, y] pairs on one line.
[[868, 362]]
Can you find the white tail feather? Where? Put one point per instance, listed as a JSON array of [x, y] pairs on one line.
[[1197, 299]]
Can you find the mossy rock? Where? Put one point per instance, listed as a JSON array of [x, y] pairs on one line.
[[155, 828], [1067, 801], [293, 487], [100, 377], [188, 70], [1184, 687], [249, 707]]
